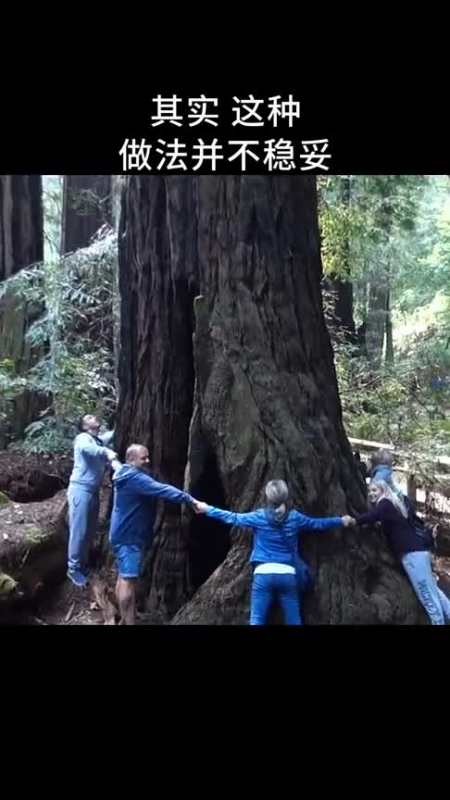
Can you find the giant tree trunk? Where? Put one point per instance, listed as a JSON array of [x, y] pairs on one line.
[[87, 205], [157, 269], [21, 244], [265, 401]]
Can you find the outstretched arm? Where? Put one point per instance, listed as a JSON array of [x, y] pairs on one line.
[[321, 523], [370, 517], [148, 486], [250, 520]]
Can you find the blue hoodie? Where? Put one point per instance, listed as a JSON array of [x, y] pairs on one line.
[[275, 541], [135, 495]]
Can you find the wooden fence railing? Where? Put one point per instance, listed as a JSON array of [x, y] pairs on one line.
[[420, 472]]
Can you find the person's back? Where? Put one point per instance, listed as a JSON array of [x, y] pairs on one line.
[[133, 511], [279, 572], [276, 538]]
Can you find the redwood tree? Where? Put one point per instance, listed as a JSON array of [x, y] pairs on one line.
[[87, 205], [226, 372], [21, 244]]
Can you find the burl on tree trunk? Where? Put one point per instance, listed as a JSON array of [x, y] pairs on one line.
[[254, 398]]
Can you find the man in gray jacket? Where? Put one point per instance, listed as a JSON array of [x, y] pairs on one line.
[[91, 456]]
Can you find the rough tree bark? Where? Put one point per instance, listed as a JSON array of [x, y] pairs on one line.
[[33, 550], [87, 205], [157, 268], [33, 553], [21, 244], [265, 401]]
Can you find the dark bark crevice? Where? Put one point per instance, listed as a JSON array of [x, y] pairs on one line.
[[209, 541]]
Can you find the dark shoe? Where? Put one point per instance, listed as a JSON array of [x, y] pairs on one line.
[[77, 578]]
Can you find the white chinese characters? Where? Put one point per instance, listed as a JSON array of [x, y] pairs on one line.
[[271, 155]]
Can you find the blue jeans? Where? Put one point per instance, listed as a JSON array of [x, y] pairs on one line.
[[418, 568], [83, 519], [270, 587]]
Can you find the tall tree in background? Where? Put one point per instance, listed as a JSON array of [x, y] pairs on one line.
[[378, 320], [87, 205], [367, 222], [226, 372], [388, 206], [21, 244], [338, 280]]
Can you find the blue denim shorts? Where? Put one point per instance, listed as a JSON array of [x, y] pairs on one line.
[[129, 559]]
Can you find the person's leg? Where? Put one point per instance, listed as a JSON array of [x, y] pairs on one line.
[[261, 599], [129, 559], [418, 568], [92, 524], [126, 599], [288, 597], [445, 604], [78, 501]]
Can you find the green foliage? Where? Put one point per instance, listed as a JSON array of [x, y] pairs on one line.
[[4, 499], [367, 225], [393, 232], [76, 333], [405, 406], [11, 384], [52, 197]]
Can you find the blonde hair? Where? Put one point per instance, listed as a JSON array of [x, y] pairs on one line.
[[388, 494], [277, 495]]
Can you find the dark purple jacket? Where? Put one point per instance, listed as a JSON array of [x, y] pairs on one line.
[[399, 531]]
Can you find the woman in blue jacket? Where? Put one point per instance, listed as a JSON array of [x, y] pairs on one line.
[[275, 549]]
